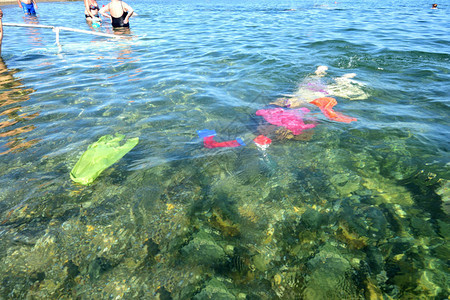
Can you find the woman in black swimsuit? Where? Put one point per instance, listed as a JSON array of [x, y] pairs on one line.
[[1, 30], [119, 13], [91, 9]]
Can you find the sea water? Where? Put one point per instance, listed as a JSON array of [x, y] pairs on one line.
[[342, 211]]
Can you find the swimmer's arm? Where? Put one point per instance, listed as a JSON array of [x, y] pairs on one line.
[[86, 8], [129, 10], [103, 11], [20, 3], [35, 3]]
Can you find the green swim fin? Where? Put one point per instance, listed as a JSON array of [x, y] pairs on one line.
[[99, 156]]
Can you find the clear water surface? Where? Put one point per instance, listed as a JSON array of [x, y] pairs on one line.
[[343, 211]]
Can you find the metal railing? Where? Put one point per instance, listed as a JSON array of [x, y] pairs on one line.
[[57, 29]]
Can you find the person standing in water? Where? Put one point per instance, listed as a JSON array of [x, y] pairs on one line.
[[29, 6], [91, 9], [119, 13], [1, 30]]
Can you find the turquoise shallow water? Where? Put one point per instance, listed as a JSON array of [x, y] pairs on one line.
[[342, 211]]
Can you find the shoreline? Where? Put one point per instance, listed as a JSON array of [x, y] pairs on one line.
[[10, 2]]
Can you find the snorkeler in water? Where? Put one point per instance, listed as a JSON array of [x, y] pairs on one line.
[[315, 86]]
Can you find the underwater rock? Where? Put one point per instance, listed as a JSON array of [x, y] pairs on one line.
[[444, 192], [152, 250], [444, 228], [398, 166], [330, 277], [249, 212], [377, 222], [352, 239], [71, 269], [289, 283], [346, 184], [396, 246], [214, 289], [98, 266], [251, 169], [163, 294], [372, 291], [308, 242], [430, 283], [374, 259], [422, 227], [261, 262], [331, 256], [226, 226], [202, 249], [385, 190], [312, 219], [36, 272], [442, 251], [360, 224]]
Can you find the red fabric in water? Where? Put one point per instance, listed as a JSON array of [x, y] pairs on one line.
[[326, 106], [209, 142], [262, 140], [292, 119]]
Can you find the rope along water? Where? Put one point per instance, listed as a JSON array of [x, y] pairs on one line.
[[57, 29]]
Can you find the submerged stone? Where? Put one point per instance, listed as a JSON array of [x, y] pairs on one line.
[[351, 238], [398, 165], [444, 192], [346, 184], [442, 251], [214, 289], [387, 191], [422, 227], [202, 249], [377, 222], [330, 277], [430, 283], [226, 226], [312, 219], [444, 228]]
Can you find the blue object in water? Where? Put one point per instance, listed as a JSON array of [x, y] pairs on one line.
[[206, 132], [240, 141]]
